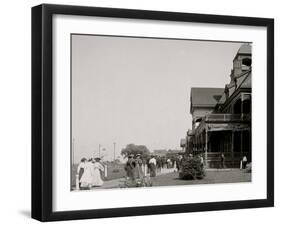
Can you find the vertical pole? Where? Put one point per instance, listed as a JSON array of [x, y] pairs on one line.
[[241, 144], [99, 150], [202, 142], [114, 144], [232, 147], [242, 110], [206, 147]]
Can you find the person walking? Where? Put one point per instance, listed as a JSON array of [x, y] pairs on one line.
[[80, 169], [178, 162], [130, 166], [201, 161], [222, 161], [169, 163], [138, 168], [152, 166], [97, 168], [244, 162], [87, 178]]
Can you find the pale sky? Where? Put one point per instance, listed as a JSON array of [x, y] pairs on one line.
[[136, 90]]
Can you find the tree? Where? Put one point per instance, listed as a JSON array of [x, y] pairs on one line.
[[135, 149]]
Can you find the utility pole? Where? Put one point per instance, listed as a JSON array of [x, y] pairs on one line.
[[114, 145], [99, 150]]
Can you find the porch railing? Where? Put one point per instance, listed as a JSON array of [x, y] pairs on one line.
[[227, 117]]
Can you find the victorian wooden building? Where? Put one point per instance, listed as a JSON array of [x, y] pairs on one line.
[[221, 117]]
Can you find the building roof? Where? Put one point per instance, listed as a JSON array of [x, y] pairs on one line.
[[247, 82], [205, 97], [222, 99], [245, 49]]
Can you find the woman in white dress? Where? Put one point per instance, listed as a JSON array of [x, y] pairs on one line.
[[87, 177], [97, 168]]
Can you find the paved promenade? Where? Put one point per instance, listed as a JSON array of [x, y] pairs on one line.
[[171, 178]]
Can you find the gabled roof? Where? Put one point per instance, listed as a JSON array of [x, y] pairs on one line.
[[222, 99], [247, 83], [205, 97], [245, 49]]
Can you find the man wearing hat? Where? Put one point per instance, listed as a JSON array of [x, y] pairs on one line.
[[138, 169], [130, 166], [152, 166]]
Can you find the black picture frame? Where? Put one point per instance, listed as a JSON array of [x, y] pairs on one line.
[[42, 106]]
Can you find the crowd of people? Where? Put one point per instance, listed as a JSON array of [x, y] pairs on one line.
[[243, 162], [134, 165], [89, 173]]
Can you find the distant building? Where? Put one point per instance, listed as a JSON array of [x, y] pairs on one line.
[[174, 151], [172, 154], [221, 117], [161, 152], [202, 102]]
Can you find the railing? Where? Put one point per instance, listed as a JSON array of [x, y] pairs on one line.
[[226, 154], [227, 117], [232, 160]]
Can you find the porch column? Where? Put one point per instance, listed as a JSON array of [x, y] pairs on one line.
[[242, 110], [232, 148], [206, 147], [202, 142], [241, 144]]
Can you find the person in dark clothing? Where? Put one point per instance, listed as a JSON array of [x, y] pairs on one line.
[[152, 166], [80, 169], [178, 162], [138, 168], [130, 167], [244, 162], [222, 161]]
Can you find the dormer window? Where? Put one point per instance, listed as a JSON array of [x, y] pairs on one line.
[[247, 62]]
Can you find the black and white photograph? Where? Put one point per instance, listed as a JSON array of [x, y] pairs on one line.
[[141, 112], [138, 113], [149, 112]]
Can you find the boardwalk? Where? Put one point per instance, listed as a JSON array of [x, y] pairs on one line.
[[171, 179]]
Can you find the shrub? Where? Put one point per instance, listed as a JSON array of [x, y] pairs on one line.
[[248, 168], [191, 169]]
